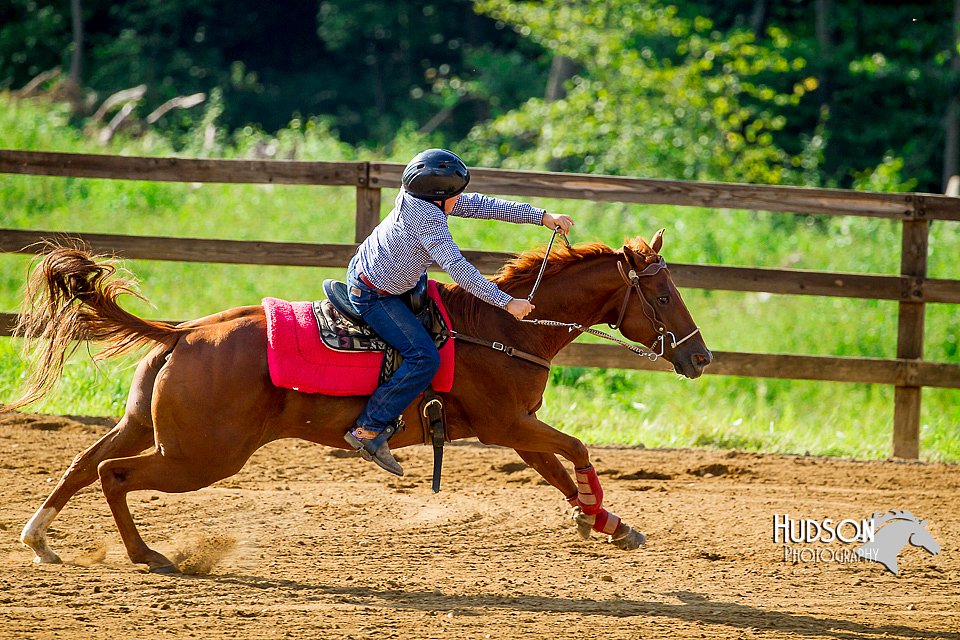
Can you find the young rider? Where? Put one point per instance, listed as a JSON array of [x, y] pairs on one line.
[[391, 261]]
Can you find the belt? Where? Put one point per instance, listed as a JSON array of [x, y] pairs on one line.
[[367, 282]]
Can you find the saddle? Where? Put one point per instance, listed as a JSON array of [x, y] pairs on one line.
[[300, 358], [342, 328]]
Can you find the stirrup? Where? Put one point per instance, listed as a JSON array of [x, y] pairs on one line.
[[377, 449]]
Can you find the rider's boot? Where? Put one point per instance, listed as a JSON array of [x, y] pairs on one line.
[[373, 446]]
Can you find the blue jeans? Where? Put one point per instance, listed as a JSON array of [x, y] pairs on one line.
[[393, 321]]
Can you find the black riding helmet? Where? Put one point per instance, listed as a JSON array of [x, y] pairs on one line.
[[435, 175]]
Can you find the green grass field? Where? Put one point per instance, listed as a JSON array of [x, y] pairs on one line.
[[600, 406]]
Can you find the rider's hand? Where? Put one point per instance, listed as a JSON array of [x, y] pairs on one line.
[[519, 308], [551, 221]]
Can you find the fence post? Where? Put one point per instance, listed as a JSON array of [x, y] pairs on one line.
[[368, 207], [910, 325]]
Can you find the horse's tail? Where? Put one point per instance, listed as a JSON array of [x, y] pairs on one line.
[[71, 296]]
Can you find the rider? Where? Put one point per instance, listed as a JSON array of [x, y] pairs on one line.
[[391, 261]]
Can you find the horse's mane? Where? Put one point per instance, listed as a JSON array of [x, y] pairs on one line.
[[525, 267]]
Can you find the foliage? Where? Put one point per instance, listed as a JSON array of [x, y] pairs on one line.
[[684, 90], [404, 62], [692, 91], [368, 66]]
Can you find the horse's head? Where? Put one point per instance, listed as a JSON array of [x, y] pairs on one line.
[[653, 313]]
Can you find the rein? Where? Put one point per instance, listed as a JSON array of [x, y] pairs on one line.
[[499, 346], [632, 278], [543, 265], [573, 326], [633, 284]]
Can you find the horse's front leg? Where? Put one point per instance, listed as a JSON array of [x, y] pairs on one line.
[[539, 444], [553, 471]]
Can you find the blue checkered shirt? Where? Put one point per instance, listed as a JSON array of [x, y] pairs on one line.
[[415, 235]]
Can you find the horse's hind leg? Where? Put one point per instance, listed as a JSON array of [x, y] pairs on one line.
[[130, 436], [133, 434], [160, 472], [152, 470]]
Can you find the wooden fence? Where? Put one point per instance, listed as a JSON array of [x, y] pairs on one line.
[[908, 372]]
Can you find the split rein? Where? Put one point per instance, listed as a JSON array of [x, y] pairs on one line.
[[546, 255], [632, 278]]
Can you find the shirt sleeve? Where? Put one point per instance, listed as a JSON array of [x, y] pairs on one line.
[[438, 243], [476, 205]]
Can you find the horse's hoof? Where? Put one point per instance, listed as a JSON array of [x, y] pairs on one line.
[[629, 541], [48, 557], [165, 569], [584, 523], [157, 563]]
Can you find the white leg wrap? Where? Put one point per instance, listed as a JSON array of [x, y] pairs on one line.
[[34, 535]]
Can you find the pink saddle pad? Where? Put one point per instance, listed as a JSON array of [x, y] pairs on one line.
[[299, 360]]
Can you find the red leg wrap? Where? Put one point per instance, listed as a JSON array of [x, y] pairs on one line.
[[590, 496], [606, 522], [572, 500]]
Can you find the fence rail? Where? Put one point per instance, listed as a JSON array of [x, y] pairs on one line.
[[696, 276], [908, 372]]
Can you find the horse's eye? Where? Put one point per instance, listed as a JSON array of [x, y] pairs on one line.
[[664, 300]]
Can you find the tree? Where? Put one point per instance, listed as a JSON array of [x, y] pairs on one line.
[[370, 66], [838, 94], [562, 69], [659, 95], [32, 39], [951, 146], [76, 59], [429, 63]]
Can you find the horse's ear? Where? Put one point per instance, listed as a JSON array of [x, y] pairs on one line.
[[634, 258], [657, 243], [638, 245]]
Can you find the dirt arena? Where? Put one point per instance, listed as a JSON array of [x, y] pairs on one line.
[[310, 543]]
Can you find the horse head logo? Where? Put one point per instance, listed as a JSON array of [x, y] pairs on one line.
[[903, 528]]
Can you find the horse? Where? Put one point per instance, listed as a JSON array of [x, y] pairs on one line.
[[903, 528], [202, 401]]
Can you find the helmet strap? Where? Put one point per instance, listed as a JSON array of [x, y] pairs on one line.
[[439, 202]]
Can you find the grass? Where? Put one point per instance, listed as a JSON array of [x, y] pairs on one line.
[[600, 406]]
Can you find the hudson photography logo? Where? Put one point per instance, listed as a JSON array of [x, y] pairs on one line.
[[879, 538]]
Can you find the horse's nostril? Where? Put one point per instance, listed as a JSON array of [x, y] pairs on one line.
[[701, 359]]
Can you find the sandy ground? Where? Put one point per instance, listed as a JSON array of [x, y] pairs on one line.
[[309, 543]]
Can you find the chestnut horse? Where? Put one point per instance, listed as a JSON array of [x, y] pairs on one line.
[[202, 401]]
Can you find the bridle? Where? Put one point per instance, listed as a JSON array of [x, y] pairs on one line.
[[632, 278]]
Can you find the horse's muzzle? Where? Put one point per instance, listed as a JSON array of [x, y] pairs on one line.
[[692, 365]]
